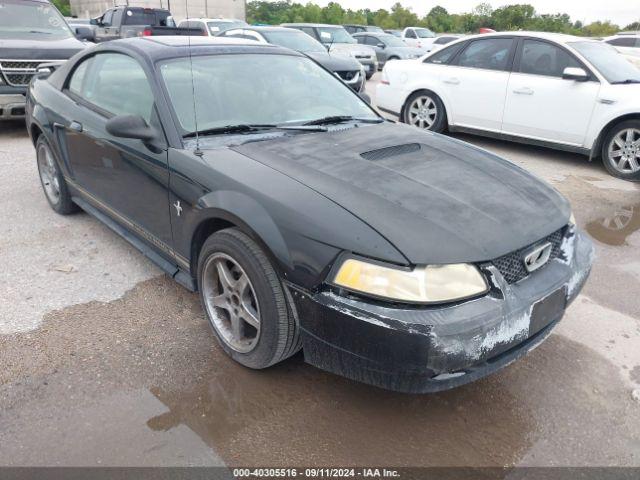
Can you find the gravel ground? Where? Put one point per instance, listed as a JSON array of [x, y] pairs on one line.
[[106, 361]]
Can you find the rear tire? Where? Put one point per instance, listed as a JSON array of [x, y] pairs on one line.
[[52, 181], [425, 110], [245, 301], [621, 150]]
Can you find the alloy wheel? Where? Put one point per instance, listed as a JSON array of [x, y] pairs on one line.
[[624, 151], [231, 302], [423, 112], [48, 174]]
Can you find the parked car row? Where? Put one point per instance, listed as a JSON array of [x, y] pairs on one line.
[[554, 90], [345, 67], [306, 221]]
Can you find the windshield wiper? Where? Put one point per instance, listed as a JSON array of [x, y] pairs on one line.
[[250, 128], [342, 119], [241, 128], [628, 80], [40, 31]]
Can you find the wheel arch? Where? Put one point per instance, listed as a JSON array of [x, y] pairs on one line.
[[604, 131], [34, 132], [227, 209], [427, 90]]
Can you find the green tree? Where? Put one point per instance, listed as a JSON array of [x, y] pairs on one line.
[[633, 26], [63, 6], [513, 17], [439, 20], [403, 17], [600, 29]]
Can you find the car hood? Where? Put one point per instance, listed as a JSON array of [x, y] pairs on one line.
[[436, 199], [406, 50], [40, 49], [352, 49], [335, 63]]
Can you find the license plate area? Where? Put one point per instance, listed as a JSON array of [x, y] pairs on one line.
[[547, 310]]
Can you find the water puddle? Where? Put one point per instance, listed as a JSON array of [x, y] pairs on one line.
[[142, 377], [617, 227]]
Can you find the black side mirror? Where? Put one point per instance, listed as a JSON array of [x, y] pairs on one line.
[[381, 45], [131, 126], [575, 73], [365, 97], [84, 33]]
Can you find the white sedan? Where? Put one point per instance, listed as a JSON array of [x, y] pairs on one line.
[[545, 89]]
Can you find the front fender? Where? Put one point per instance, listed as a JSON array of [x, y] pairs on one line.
[[242, 210]]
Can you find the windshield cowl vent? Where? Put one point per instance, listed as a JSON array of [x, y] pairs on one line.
[[396, 150]]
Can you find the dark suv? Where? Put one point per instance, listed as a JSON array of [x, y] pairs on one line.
[[32, 33]]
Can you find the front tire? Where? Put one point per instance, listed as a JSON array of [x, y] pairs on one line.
[[621, 150], [244, 301], [425, 110], [53, 183]]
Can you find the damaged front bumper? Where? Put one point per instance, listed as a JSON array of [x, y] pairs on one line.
[[428, 349]]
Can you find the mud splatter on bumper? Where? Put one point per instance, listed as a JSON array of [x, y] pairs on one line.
[[434, 348]]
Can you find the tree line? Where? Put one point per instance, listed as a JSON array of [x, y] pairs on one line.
[[509, 17]]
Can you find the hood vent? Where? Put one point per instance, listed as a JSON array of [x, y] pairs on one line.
[[382, 153]]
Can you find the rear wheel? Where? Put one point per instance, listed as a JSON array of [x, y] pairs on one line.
[[244, 301], [425, 110], [621, 150], [53, 183]]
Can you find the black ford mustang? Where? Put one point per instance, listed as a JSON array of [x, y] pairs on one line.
[[390, 255]]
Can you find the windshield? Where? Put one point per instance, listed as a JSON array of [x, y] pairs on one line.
[[609, 62], [295, 40], [256, 89], [31, 21], [215, 27], [391, 41], [335, 35], [424, 33], [373, 28]]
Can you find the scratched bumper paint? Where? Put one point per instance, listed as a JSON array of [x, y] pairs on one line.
[[426, 349]]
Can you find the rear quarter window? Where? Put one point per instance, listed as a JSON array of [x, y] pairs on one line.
[[444, 55]]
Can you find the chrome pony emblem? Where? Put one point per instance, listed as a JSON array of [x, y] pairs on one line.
[[537, 257], [178, 207]]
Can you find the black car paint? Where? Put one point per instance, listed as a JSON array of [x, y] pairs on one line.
[[308, 198]]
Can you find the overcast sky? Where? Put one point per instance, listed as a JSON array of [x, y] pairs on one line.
[[622, 12]]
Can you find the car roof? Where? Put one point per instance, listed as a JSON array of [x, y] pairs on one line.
[[162, 47], [310, 25], [555, 37], [268, 28], [204, 19], [383, 33]]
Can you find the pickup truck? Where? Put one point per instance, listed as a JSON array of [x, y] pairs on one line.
[[418, 37], [33, 33], [127, 22]]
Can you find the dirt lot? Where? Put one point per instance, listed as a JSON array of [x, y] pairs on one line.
[[105, 361]]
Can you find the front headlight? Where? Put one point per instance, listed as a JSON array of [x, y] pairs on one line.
[[572, 219], [423, 284]]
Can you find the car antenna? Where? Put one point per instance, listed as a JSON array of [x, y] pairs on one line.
[[197, 151]]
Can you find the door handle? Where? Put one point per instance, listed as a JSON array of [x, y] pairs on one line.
[[75, 126], [523, 91], [452, 81]]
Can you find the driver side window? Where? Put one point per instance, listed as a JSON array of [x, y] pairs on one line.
[[115, 83], [411, 34], [106, 18], [542, 58]]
